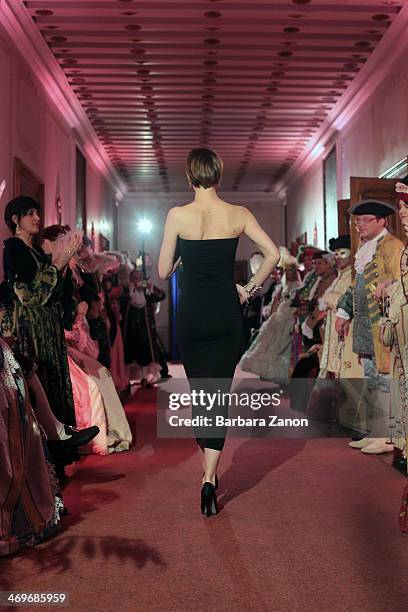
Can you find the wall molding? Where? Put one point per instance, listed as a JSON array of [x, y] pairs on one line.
[[19, 26], [387, 53]]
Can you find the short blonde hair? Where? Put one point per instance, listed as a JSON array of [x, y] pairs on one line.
[[204, 168]]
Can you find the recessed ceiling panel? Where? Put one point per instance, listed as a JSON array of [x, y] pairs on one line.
[[253, 80]]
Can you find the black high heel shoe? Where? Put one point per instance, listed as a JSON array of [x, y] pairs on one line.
[[216, 481], [208, 499]]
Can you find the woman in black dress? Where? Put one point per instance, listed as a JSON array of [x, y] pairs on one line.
[[33, 294], [204, 236], [33, 298]]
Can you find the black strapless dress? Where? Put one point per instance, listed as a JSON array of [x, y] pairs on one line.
[[209, 322]]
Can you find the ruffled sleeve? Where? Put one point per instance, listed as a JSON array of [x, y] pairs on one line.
[[345, 303]]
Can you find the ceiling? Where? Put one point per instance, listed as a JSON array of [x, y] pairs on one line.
[[253, 80]]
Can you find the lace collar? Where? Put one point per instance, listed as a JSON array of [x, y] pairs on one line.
[[367, 251]]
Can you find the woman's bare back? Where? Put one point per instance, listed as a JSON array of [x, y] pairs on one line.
[[212, 220]]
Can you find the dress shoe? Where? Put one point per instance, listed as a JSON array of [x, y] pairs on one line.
[[360, 443], [378, 447], [78, 437]]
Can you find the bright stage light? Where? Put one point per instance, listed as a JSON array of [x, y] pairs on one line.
[[145, 226]]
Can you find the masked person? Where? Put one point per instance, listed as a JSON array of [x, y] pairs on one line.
[[330, 357], [326, 401]]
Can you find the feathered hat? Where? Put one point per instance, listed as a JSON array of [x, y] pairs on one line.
[[286, 259]]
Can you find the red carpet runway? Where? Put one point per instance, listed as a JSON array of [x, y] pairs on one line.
[[304, 525]]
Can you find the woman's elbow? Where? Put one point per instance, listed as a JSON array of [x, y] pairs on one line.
[[163, 273], [273, 255]]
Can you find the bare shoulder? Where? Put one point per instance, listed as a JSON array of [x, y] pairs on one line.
[[244, 214], [179, 217], [183, 209], [176, 213], [238, 217], [244, 210]]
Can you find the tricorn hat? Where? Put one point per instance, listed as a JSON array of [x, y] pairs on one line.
[[342, 242], [305, 250], [372, 207]]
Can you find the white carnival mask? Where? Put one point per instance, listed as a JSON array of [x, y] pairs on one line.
[[342, 253]]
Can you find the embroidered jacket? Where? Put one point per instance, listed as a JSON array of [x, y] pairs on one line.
[[385, 265]]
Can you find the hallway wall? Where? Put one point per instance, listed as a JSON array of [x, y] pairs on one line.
[[35, 132], [374, 139]]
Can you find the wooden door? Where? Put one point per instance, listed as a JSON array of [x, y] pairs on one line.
[[343, 217], [26, 183], [364, 188], [81, 216]]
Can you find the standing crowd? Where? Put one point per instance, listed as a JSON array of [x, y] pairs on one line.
[[334, 325], [76, 328]]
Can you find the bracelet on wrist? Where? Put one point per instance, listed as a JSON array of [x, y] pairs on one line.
[[252, 290]]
